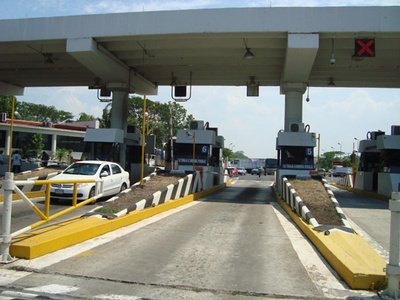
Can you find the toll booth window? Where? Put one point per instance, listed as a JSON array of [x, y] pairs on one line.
[[390, 160], [369, 162], [300, 158], [2, 138]]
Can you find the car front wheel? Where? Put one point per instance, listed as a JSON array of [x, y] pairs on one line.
[[92, 194], [123, 187]]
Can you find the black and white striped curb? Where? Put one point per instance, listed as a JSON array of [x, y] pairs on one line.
[[291, 198], [33, 188], [185, 186]]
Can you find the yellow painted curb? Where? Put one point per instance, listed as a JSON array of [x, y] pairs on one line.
[[350, 255], [55, 237]]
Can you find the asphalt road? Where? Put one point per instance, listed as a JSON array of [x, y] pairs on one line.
[[235, 244]]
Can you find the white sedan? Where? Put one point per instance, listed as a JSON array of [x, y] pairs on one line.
[[115, 179]]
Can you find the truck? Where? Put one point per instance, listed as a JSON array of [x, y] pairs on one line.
[[270, 166], [341, 171], [248, 163]]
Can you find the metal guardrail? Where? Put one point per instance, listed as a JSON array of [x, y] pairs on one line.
[[11, 186]]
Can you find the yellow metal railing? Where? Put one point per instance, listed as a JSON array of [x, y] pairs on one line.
[[11, 186]]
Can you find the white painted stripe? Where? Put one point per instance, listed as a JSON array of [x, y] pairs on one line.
[[179, 189], [169, 192], [157, 196], [8, 276], [188, 184], [117, 297], [18, 295], [140, 205], [53, 289]]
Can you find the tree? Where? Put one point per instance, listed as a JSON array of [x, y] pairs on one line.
[[37, 142], [240, 154], [43, 113], [61, 154], [228, 154], [34, 112], [84, 117], [327, 159], [6, 105], [105, 120], [158, 118]]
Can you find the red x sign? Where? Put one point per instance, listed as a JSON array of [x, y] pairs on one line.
[[364, 48]]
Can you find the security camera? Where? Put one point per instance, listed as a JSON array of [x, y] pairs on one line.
[[332, 61]]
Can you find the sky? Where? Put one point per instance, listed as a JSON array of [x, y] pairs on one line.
[[249, 124]]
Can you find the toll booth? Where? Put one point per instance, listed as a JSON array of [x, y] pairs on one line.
[[379, 169], [199, 148], [389, 175], [295, 153], [369, 165]]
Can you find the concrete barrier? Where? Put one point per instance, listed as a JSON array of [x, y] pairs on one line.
[[359, 265], [346, 181]]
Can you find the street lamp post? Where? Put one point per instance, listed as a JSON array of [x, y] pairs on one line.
[[355, 145], [11, 134], [143, 141]]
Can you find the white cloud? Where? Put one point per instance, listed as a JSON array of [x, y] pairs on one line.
[[71, 99]]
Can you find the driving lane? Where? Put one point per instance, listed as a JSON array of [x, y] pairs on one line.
[[233, 243]]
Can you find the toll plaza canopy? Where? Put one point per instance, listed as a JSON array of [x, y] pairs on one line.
[[139, 51]]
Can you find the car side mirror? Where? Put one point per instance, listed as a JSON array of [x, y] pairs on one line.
[[104, 174]]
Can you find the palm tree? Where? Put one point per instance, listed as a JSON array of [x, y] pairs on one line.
[[61, 155]]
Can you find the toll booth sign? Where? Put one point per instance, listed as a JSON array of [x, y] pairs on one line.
[[364, 48]]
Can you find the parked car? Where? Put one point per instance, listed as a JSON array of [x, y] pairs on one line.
[[115, 179], [241, 171], [255, 171]]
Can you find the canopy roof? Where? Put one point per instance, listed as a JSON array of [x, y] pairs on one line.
[[143, 50]]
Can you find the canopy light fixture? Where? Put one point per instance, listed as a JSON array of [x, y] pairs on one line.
[[248, 54], [332, 61], [252, 87], [48, 58]]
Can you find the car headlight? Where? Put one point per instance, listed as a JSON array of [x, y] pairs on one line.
[[82, 185]]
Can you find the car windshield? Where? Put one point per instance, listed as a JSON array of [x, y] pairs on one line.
[[82, 169]]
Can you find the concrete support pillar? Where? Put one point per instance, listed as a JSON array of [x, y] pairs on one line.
[[119, 110], [393, 268], [293, 103], [54, 143], [7, 145], [119, 113]]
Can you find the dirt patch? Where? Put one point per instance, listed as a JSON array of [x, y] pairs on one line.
[[317, 200], [36, 173], [138, 193]]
